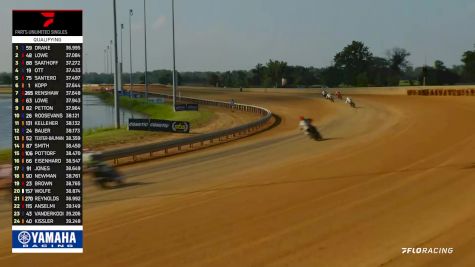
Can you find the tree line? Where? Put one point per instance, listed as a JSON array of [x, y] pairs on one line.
[[354, 65]]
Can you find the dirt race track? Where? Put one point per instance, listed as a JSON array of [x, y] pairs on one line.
[[396, 172]]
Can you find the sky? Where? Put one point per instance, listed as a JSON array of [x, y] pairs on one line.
[[220, 35]]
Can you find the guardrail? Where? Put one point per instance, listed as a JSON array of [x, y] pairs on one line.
[[235, 132]]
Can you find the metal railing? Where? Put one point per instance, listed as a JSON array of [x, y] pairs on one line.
[[239, 131]]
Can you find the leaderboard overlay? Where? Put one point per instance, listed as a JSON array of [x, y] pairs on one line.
[[47, 131]]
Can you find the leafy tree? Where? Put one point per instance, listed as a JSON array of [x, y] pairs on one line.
[[378, 72], [459, 69], [398, 59], [439, 65], [276, 71], [5, 78], [213, 79], [439, 74], [241, 79], [354, 59], [362, 79], [165, 77], [258, 75], [331, 76], [299, 76], [226, 79], [468, 58]]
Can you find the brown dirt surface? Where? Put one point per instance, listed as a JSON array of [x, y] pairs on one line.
[[395, 172]]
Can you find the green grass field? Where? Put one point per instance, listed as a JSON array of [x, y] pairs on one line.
[[103, 137], [5, 155], [161, 111], [111, 136]]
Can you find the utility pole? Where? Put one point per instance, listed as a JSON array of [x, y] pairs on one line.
[[145, 30], [116, 73], [131, 13], [174, 67]]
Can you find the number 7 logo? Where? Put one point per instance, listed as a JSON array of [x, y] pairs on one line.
[[49, 20]]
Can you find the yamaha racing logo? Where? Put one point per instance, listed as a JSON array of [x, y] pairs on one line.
[[24, 237], [47, 239]]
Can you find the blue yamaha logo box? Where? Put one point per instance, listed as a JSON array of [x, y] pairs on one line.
[[47, 239]]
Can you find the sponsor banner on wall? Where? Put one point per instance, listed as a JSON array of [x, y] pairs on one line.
[[159, 125], [156, 100], [138, 124], [181, 107], [192, 107], [186, 107]]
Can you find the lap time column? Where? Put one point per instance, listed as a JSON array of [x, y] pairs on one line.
[[47, 131]]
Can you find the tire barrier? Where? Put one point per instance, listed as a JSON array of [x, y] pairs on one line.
[[199, 140], [441, 92]]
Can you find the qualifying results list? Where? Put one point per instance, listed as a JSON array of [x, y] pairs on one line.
[[47, 131]]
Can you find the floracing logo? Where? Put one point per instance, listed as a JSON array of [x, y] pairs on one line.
[[427, 250], [49, 18]]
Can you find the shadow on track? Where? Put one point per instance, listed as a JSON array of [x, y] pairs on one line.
[[328, 139], [469, 167], [277, 122], [127, 185]]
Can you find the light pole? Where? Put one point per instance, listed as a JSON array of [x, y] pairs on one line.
[[174, 67], [107, 58], [121, 57], [105, 61], [131, 13], [111, 69], [85, 63], [109, 65], [116, 72], [145, 30]]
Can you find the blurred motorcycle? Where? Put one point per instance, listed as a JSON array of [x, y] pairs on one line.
[[350, 102], [6, 180], [313, 133], [104, 174], [309, 129]]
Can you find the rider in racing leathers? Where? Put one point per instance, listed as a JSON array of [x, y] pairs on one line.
[[338, 94], [348, 100], [304, 123]]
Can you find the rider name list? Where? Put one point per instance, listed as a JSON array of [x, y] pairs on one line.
[[47, 131]]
